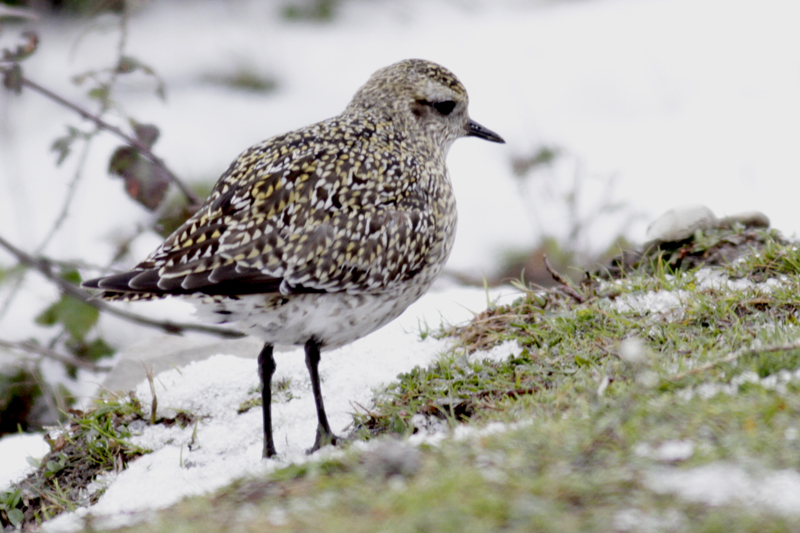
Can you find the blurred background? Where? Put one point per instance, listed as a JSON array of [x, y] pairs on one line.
[[614, 111]]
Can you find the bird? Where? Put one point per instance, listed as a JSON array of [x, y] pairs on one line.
[[322, 235]]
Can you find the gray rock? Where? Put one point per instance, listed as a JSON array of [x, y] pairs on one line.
[[680, 223], [748, 219]]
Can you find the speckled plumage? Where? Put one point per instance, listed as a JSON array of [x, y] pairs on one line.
[[326, 233]]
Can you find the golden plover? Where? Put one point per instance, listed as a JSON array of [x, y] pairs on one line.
[[322, 235]]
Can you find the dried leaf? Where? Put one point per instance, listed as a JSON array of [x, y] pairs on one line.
[[127, 65], [122, 159], [148, 184], [145, 181], [24, 50], [12, 78], [147, 133]]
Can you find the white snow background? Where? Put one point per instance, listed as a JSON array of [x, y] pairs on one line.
[[685, 101]]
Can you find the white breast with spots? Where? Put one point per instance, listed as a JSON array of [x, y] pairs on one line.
[[334, 319]]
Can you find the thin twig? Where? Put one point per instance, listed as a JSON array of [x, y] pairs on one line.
[[75, 264], [132, 141], [71, 188], [43, 267], [148, 371], [565, 285], [30, 347]]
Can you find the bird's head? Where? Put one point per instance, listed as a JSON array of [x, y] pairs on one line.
[[424, 97]]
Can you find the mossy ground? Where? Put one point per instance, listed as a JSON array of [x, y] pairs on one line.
[[95, 442], [696, 345]]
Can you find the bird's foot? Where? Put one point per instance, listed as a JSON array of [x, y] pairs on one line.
[[269, 450], [324, 438]]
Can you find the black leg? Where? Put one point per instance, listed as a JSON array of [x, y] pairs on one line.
[[266, 367], [324, 434]]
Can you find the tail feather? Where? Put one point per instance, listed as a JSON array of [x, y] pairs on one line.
[[148, 284]]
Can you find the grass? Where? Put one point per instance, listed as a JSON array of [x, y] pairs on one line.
[[697, 345], [281, 393], [93, 443]]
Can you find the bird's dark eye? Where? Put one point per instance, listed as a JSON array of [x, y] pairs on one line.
[[445, 108]]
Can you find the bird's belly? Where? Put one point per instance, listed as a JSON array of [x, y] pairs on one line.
[[334, 319]]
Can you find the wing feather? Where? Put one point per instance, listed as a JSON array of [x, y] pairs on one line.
[[293, 215]]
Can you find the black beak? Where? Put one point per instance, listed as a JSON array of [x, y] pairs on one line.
[[476, 130]]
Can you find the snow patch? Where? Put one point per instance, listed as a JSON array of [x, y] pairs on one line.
[[15, 451], [722, 483]]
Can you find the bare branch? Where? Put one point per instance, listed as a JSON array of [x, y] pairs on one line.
[[72, 187], [8, 12], [43, 267], [132, 141], [31, 347]]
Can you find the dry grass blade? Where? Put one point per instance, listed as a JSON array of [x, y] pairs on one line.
[[565, 286]]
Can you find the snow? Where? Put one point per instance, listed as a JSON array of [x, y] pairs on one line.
[[223, 445], [671, 451], [724, 483], [683, 101], [676, 97], [501, 352], [779, 381], [667, 303], [670, 304], [15, 450]]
